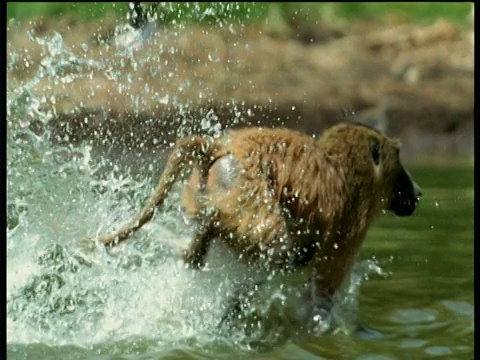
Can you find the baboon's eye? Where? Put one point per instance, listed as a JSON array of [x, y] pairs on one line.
[[375, 149]]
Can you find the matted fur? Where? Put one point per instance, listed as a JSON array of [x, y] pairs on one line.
[[283, 199]]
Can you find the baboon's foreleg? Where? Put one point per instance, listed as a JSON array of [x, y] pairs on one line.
[[315, 310]]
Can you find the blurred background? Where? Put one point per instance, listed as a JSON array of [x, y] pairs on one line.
[[405, 66]]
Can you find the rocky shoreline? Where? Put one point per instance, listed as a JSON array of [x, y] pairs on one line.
[[417, 80]]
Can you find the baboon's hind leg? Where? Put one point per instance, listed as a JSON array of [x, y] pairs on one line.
[[208, 229]]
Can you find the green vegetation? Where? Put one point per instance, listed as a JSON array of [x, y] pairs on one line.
[[213, 12], [86, 11], [410, 11]]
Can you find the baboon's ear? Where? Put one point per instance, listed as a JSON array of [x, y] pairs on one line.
[[375, 150]]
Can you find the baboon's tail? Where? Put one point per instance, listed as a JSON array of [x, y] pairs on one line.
[[188, 153]]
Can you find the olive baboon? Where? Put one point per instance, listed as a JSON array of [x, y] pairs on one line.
[[283, 199]]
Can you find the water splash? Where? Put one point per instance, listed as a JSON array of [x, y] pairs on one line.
[[61, 294]]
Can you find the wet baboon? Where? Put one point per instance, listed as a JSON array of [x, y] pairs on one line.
[[283, 199]]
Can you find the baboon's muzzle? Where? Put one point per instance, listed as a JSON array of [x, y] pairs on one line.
[[405, 196]]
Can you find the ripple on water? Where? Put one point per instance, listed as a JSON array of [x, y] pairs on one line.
[[413, 316], [459, 307]]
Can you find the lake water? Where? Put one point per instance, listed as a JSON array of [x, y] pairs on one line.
[[413, 282]]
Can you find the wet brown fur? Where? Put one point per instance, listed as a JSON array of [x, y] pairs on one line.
[[280, 197]]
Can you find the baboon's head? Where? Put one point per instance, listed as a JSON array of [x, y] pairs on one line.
[[372, 165]]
